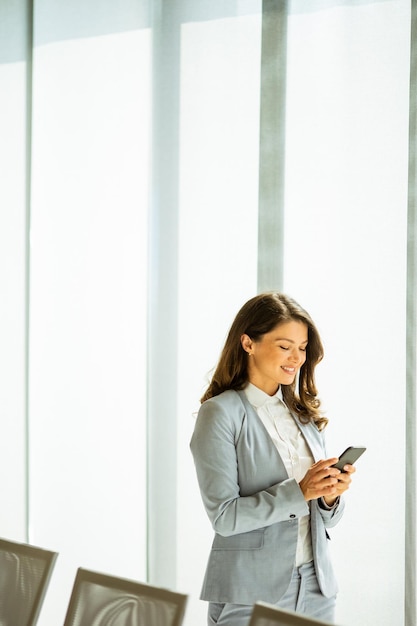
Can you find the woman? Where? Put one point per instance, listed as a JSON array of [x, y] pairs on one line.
[[267, 486]]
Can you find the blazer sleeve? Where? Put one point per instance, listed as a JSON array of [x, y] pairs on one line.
[[332, 515], [223, 452]]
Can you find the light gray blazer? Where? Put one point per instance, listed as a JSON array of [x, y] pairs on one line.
[[253, 505]]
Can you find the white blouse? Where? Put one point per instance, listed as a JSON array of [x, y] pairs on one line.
[[292, 448]]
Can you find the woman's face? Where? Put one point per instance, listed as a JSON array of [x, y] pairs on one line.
[[277, 356]]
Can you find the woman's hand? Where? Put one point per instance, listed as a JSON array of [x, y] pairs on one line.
[[324, 481], [343, 483]]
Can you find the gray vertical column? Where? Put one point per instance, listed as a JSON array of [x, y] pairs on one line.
[[272, 145], [411, 348], [163, 279], [28, 173]]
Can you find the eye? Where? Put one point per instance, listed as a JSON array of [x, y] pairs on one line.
[[284, 348], [303, 349]]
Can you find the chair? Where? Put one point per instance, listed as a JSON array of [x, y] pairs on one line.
[[264, 614], [25, 571], [102, 600]]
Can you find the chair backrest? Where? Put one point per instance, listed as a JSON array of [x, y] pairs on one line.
[[25, 571], [102, 600], [264, 614]]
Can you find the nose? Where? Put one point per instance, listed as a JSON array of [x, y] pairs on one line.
[[295, 356]]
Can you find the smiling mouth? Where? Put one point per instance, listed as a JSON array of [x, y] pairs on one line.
[[289, 370]]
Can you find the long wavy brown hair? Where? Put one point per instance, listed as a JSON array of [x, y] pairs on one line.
[[257, 317]]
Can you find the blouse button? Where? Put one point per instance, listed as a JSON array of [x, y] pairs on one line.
[[292, 516]]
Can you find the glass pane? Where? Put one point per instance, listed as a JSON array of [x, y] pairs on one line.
[[91, 127], [219, 147], [13, 102], [345, 260]]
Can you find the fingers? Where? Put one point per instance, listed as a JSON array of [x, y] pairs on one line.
[[325, 462], [323, 469], [323, 480], [345, 476], [320, 480]]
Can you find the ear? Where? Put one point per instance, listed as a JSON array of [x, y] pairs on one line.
[[246, 342]]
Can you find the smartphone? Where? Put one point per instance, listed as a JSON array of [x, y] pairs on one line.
[[349, 456]]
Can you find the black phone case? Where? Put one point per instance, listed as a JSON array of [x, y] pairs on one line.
[[349, 456]]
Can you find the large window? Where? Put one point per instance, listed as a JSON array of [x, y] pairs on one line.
[[136, 153]]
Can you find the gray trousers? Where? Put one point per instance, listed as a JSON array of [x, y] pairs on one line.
[[303, 596]]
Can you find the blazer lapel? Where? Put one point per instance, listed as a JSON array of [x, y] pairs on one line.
[[313, 438], [269, 448]]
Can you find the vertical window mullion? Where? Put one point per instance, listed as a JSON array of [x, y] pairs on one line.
[[272, 145], [411, 350]]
